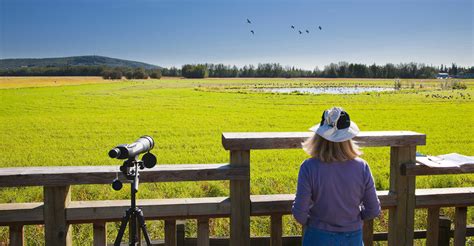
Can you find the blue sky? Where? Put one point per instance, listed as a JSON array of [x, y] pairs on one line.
[[174, 32]]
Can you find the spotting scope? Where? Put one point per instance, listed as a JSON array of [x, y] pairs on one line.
[[124, 151], [130, 169]]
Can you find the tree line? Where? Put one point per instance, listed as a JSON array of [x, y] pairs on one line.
[[137, 73], [338, 70], [333, 70], [264, 70], [104, 71]]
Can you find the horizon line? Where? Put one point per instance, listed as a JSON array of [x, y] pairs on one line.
[[247, 64]]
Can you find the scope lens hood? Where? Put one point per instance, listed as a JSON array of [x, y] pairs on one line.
[[150, 139]]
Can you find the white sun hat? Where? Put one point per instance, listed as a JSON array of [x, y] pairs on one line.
[[336, 126]]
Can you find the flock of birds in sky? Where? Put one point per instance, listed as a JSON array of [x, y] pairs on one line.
[[292, 27]]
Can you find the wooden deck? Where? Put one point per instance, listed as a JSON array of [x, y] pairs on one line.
[[57, 212]]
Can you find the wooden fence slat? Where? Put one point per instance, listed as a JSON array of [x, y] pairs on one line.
[[56, 229], [262, 205], [170, 232], [444, 231], [100, 233], [402, 217], [460, 226], [180, 232], [240, 201], [445, 197], [203, 232], [21, 213], [432, 230], [276, 232], [368, 232], [16, 235], [72, 175], [293, 140], [413, 169]]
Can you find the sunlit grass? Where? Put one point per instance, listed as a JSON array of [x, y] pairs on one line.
[[77, 125]]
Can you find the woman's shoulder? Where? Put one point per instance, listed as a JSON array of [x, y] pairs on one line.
[[362, 164], [312, 162], [360, 161], [308, 163]]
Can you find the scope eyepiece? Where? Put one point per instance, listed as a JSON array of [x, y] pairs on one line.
[[114, 153]]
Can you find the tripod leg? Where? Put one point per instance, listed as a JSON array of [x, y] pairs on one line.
[[133, 228], [141, 220], [139, 236], [123, 225]]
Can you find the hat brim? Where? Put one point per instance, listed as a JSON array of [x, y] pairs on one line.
[[336, 135]]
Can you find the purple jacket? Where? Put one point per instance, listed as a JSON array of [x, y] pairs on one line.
[[335, 196]]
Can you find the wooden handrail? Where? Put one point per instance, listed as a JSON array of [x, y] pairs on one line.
[[90, 211], [444, 197], [414, 169], [292, 140], [73, 175]]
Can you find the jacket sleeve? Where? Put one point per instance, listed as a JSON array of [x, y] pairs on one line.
[[370, 202], [303, 202]]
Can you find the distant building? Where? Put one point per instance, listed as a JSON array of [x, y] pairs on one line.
[[442, 76]]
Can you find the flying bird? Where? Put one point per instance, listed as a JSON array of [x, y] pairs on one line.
[[292, 27], [320, 28], [300, 32], [307, 31], [248, 21], [252, 32]]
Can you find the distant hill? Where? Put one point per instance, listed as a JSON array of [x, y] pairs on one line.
[[72, 61]]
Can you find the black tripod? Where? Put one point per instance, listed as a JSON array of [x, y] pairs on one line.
[[133, 214]]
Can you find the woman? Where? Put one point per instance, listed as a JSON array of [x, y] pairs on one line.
[[335, 190]]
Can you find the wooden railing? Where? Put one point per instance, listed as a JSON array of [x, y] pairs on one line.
[[58, 212]]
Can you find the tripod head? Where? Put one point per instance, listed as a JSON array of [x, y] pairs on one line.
[[132, 165]]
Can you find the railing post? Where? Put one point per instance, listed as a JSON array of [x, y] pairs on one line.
[[180, 232], [100, 233], [432, 230], [402, 217], [240, 201], [16, 235], [203, 232], [276, 232], [56, 229], [460, 226], [444, 231], [170, 232], [368, 232]]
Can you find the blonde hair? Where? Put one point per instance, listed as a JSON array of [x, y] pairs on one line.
[[328, 151]]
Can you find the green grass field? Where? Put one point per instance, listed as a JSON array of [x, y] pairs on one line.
[[75, 121]]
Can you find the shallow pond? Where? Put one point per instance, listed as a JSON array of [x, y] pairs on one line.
[[329, 90]]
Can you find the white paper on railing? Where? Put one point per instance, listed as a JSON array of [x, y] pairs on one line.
[[448, 160]]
